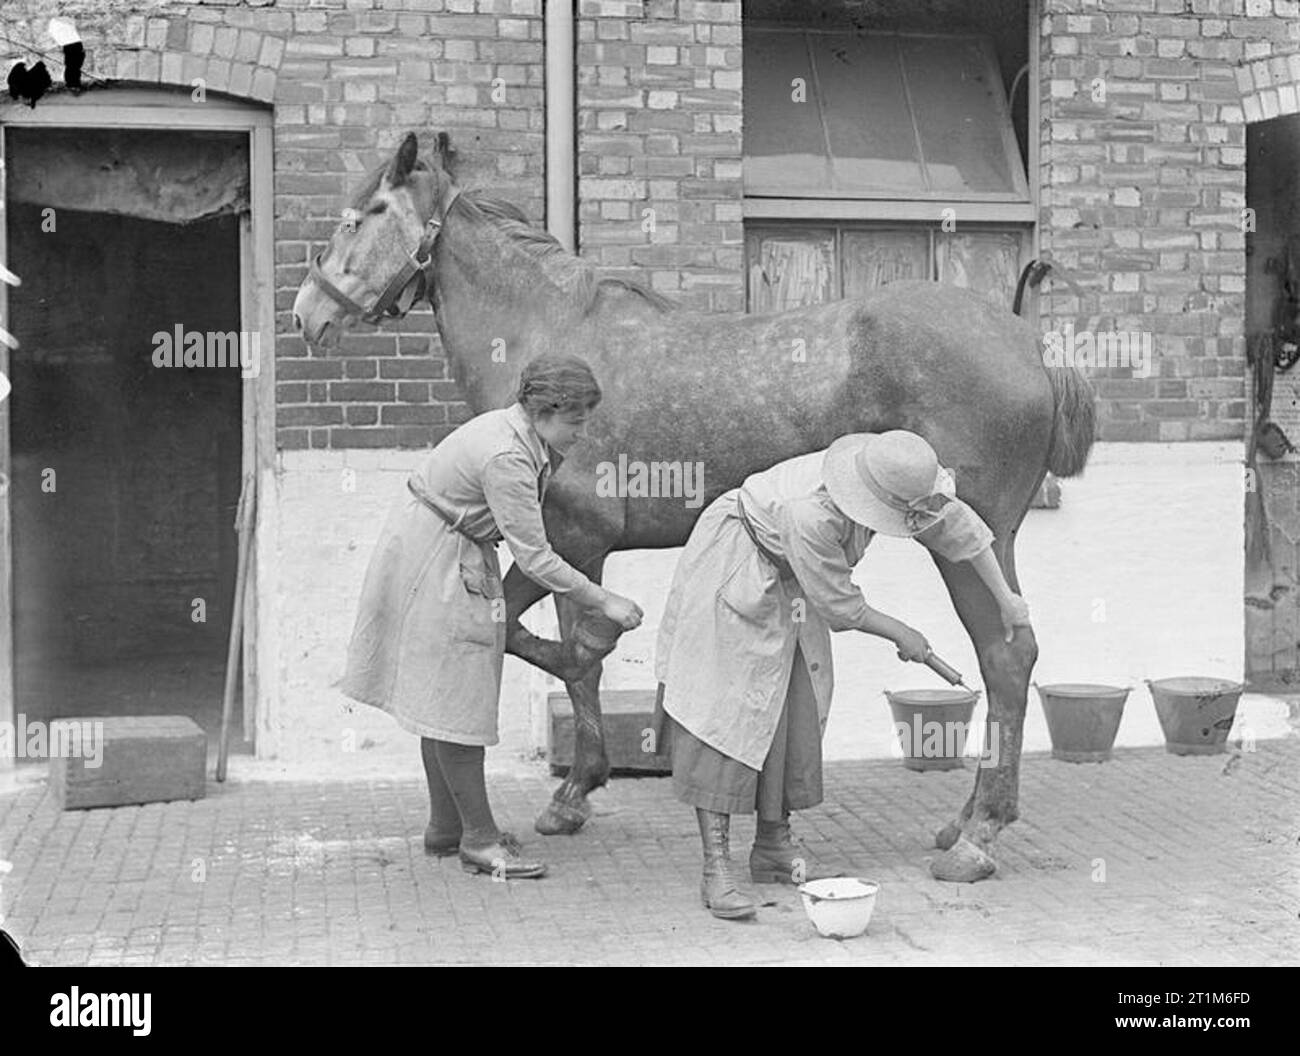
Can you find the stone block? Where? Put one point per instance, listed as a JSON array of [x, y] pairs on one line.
[[145, 759], [628, 720]]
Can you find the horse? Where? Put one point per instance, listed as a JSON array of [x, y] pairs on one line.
[[734, 392]]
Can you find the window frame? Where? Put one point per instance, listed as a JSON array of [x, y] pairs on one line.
[[760, 211]]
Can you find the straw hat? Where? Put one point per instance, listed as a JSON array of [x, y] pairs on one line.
[[890, 482]]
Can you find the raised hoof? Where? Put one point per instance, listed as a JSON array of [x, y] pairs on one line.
[[947, 836], [562, 819], [963, 863]]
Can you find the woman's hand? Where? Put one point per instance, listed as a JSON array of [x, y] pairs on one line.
[[1015, 613], [912, 645], [623, 611]]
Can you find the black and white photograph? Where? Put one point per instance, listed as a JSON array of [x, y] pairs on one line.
[[651, 483]]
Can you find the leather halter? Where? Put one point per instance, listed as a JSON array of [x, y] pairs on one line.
[[415, 267]]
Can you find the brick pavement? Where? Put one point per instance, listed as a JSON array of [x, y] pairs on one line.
[[1199, 858]]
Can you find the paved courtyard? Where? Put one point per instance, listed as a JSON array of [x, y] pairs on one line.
[[1149, 859]]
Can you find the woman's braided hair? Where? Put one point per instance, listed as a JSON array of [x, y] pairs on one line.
[[555, 384]]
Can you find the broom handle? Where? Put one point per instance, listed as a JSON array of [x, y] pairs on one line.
[[243, 526]]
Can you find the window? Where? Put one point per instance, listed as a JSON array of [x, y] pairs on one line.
[[855, 144], [791, 265]]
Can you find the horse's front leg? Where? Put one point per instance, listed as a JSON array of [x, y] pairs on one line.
[[592, 638], [522, 594], [1006, 668]]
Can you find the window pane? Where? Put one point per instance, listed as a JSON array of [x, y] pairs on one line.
[[986, 261], [790, 269], [885, 116], [873, 141], [785, 148], [874, 258], [956, 98]]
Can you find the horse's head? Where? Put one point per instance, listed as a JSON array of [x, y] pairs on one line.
[[379, 260]]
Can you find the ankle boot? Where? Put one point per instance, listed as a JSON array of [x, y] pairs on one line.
[[719, 888], [778, 858]]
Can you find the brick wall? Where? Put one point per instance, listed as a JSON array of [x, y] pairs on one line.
[[659, 118], [351, 85], [1143, 176], [1142, 189], [659, 102]]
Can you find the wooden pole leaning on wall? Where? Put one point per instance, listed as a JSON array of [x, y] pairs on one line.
[[244, 521]]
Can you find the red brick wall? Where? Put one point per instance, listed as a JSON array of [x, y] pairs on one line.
[[351, 85], [659, 104], [1143, 193]]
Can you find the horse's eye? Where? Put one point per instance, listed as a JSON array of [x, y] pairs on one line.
[[377, 208]]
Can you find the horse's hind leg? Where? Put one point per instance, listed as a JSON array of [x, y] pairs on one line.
[[590, 637], [1006, 668]]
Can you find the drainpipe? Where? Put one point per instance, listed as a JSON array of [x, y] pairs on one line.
[[562, 223], [561, 133]]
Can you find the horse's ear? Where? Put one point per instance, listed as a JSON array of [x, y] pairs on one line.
[[404, 160], [446, 153]]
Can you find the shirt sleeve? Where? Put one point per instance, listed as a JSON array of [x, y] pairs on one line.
[[812, 545], [959, 534], [510, 488]]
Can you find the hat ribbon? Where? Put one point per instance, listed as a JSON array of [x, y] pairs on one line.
[[917, 513]]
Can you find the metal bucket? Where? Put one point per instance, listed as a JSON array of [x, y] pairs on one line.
[[927, 723], [1083, 719], [1196, 713]]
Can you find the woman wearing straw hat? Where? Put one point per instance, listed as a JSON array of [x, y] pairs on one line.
[[430, 630], [744, 647]]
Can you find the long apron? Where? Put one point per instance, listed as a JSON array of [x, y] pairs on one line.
[[728, 637], [430, 633]]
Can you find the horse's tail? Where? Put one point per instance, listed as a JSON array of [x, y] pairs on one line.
[[1074, 422]]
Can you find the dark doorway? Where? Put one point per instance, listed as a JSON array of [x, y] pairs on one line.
[[124, 475], [1273, 390]]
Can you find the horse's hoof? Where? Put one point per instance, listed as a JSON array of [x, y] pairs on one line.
[[562, 819], [947, 836], [963, 863]]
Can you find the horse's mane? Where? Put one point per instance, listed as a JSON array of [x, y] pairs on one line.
[[572, 274]]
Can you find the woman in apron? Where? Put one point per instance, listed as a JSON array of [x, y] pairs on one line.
[[430, 630], [744, 650]]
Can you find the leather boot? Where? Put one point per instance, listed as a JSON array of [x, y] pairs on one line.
[[719, 888], [778, 858]]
